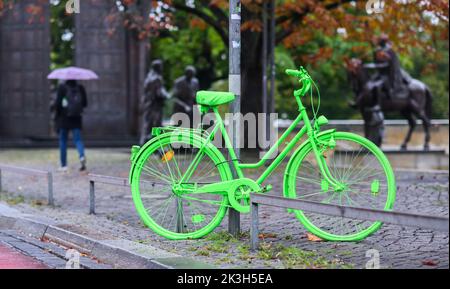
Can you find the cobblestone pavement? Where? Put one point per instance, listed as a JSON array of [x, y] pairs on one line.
[[285, 241]]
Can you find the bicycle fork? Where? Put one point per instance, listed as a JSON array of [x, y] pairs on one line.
[[329, 179]]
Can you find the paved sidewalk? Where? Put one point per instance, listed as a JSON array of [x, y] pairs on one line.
[[399, 247], [44, 253], [13, 259]]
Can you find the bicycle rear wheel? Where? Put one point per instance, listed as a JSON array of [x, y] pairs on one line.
[[364, 171], [157, 191]]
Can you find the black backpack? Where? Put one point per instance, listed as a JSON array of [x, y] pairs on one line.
[[75, 103]]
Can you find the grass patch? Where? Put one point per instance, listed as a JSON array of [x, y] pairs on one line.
[[203, 252], [244, 253], [13, 200], [221, 236], [217, 247], [294, 258]]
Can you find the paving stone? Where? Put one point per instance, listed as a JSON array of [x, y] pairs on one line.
[[399, 247]]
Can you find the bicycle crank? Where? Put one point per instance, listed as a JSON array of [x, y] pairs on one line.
[[239, 194]]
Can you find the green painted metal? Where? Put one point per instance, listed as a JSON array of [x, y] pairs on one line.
[[235, 192], [375, 187], [295, 165]]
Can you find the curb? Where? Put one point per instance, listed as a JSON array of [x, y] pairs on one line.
[[49, 253], [136, 256]]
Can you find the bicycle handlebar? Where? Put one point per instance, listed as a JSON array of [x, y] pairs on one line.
[[293, 72], [305, 79]]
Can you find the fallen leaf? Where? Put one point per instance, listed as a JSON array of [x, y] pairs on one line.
[[267, 235], [313, 238], [168, 156], [429, 263]]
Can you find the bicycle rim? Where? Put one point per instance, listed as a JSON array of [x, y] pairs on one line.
[[369, 183], [169, 214]]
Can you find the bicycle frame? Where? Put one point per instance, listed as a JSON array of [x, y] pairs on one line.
[[190, 187], [306, 129]]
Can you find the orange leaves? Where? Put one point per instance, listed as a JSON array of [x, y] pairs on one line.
[[252, 25], [313, 238], [199, 23], [297, 38], [223, 4], [322, 54], [168, 156], [128, 2], [264, 236]]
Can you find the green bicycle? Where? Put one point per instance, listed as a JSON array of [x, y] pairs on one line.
[[182, 185]]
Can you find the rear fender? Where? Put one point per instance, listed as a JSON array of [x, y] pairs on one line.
[[136, 151]]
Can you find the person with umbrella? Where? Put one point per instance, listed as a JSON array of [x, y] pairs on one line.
[[71, 100]]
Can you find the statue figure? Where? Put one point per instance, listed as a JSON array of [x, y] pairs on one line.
[[373, 96], [393, 78], [152, 101], [185, 89]]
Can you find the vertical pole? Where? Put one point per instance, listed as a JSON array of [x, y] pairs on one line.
[[265, 107], [272, 57], [254, 227], [235, 87], [0, 181], [51, 201], [91, 198], [180, 216]]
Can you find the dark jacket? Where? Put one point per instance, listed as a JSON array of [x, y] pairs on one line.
[[62, 120]]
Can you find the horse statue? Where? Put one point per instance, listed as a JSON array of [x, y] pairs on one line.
[[372, 98]]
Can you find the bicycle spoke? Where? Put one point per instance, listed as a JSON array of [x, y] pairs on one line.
[[167, 201], [356, 167]]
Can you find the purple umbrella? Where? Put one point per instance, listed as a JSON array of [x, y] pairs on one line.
[[73, 73]]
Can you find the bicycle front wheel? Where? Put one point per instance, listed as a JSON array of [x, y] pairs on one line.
[[164, 202], [367, 181]]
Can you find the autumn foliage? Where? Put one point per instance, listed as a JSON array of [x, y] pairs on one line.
[[412, 23]]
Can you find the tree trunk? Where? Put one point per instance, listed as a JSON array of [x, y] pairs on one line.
[[251, 67]]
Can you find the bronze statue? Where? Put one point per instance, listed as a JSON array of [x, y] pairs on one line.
[[393, 78], [152, 102], [391, 89], [185, 89]]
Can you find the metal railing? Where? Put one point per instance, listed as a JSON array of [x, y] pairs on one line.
[[31, 172], [122, 182], [391, 217]]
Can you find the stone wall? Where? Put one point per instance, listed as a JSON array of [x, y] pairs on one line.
[[24, 65]]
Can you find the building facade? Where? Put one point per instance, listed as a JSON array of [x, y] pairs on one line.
[[25, 63]]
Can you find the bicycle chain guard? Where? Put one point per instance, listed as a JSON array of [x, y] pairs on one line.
[[239, 194]]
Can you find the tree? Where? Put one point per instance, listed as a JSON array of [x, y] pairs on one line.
[[409, 24], [414, 26]]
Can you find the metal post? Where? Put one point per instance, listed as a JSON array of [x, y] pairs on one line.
[[235, 87], [91, 197], [271, 104], [51, 201], [254, 227], [0, 181], [264, 57], [180, 217]]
